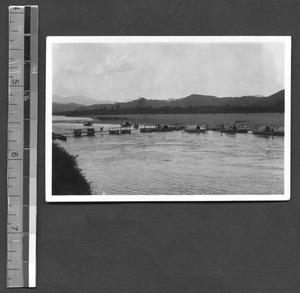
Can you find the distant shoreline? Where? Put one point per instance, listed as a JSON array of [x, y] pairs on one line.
[[276, 119]]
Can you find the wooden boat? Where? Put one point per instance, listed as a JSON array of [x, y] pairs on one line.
[[269, 131], [119, 130], [88, 123], [58, 136], [114, 131], [214, 128], [237, 130], [126, 124], [164, 128], [91, 131], [239, 126], [77, 132], [197, 129], [147, 129], [125, 131], [178, 127]]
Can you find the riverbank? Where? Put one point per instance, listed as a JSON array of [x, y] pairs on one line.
[[255, 119], [67, 177]]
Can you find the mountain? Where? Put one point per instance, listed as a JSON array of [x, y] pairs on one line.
[[82, 100], [192, 103], [57, 107], [244, 101]]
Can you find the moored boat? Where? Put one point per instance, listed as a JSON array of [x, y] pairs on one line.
[[126, 124], [58, 136], [269, 131], [119, 130], [88, 123], [237, 130], [178, 127], [215, 128], [237, 127], [125, 130], [196, 129], [114, 131], [91, 131], [77, 132], [147, 129], [164, 128]]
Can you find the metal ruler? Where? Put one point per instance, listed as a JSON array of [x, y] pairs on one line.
[[22, 146]]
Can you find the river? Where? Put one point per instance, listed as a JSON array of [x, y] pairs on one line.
[[178, 162]]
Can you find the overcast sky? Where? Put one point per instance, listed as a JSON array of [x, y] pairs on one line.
[[124, 71]]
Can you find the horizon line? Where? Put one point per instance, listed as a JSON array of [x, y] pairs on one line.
[[207, 95]]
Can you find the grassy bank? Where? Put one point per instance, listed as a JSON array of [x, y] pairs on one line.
[[67, 178]]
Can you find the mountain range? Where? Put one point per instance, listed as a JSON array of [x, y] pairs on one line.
[[80, 100], [81, 103]]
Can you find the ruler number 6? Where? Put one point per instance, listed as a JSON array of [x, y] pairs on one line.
[[14, 154]]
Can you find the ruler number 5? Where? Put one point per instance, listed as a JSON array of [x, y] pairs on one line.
[[15, 81]]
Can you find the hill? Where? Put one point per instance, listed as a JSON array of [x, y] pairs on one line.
[[80, 99], [57, 107], [191, 104]]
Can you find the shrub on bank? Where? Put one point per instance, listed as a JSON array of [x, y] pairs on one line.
[[67, 178]]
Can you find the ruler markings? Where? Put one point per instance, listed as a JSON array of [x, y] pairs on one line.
[[21, 193]]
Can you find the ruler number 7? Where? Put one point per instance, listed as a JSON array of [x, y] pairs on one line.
[[34, 70]]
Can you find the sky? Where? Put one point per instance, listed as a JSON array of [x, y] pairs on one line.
[[126, 71]]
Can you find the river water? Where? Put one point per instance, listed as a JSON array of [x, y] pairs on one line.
[[178, 162]]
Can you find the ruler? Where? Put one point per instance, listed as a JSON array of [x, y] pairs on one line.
[[22, 146]]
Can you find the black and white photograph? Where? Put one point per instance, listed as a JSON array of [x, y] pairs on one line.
[[168, 118]]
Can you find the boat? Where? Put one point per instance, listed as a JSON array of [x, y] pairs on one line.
[[236, 127], [125, 130], [196, 129], [269, 131], [178, 127], [126, 124], [147, 129], [91, 131], [114, 131], [77, 132], [235, 130], [58, 136], [164, 128], [119, 130], [215, 128], [88, 123]]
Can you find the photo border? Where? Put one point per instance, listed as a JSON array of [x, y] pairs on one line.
[[168, 198]]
